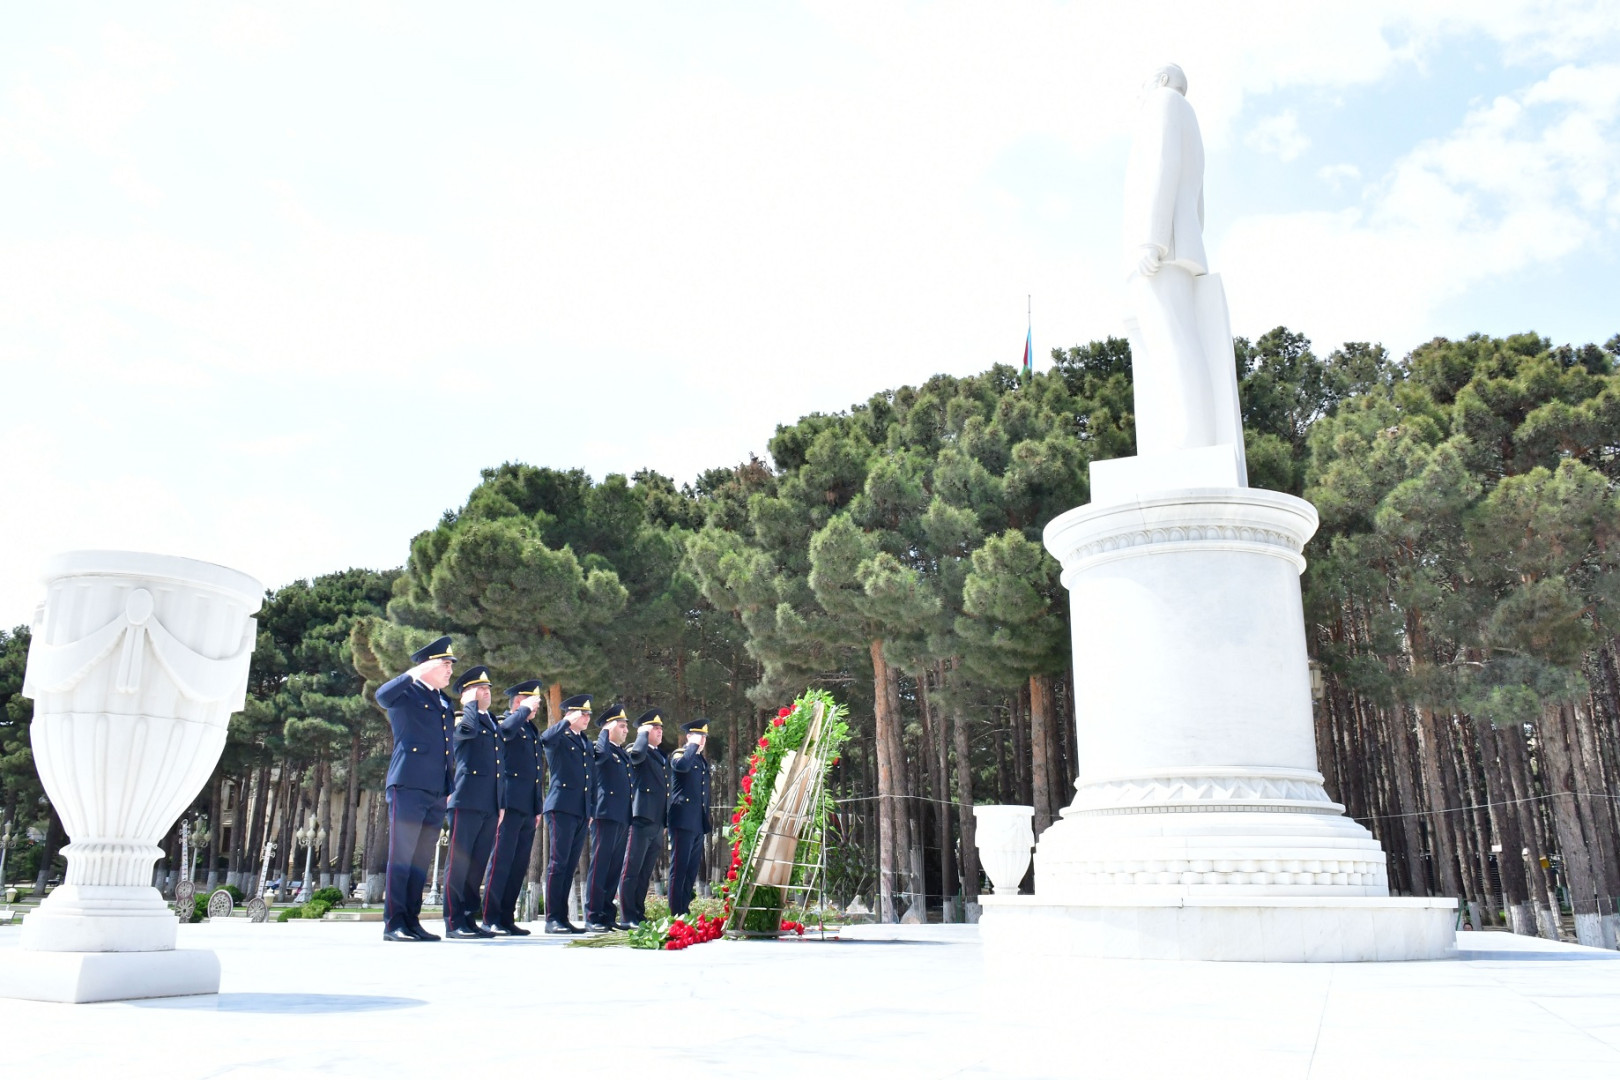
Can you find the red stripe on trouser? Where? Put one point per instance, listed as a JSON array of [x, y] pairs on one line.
[[449, 862], [489, 871], [388, 874]]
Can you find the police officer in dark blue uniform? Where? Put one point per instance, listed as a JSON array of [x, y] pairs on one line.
[[474, 806], [649, 813], [520, 798], [421, 718], [688, 816], [568, 801], [610, 819]]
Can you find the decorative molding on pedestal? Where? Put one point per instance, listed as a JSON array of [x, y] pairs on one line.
[[1211, 519], [1195, 790]]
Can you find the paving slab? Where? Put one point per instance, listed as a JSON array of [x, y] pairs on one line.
[[324, 999]]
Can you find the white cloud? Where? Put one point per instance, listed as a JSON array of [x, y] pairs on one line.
[[1527, 178], [1279, 135], [1339, 174]]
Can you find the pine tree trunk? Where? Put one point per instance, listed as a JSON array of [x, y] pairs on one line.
[[54, 835], [935, 748], [969, 851], [1561, 781], [1505, 824], [211, 858], [1039, 692], [1406, 804], [908, 853], [351, 815], [888, 838], [1596, 819], [1532, 824]]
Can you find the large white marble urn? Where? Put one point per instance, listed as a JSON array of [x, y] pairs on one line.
[[136, 665], [1004, 836]]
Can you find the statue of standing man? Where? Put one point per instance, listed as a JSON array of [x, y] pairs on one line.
[[1181, 342]]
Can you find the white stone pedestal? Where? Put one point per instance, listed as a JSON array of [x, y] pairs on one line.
[[77, 978], [1200, 828]]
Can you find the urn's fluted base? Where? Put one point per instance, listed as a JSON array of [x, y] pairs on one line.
[[101, 919], [78, 977], [1276, 929]]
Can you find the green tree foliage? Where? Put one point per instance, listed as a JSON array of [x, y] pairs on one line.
[[1468, 520]]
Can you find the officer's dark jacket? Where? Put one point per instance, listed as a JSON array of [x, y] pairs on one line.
[[569, 760], [477, 754], [421, 719], [520, 761], [651, 775], [613, 784], [689, 806]]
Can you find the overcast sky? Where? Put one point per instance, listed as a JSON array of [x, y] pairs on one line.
[[277, 280]]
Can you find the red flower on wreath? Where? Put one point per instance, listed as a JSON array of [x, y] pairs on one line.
[[784, 711], [736, 818], [748, 782], [731, 875], [763, 741], [778, 722]]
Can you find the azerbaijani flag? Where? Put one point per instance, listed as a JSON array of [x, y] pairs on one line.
[[1029, 352]]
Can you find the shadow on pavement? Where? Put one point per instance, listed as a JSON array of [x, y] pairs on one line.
[[280, 1003]]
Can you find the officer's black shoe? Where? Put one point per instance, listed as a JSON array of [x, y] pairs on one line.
[[596, 928], [625, 925], [399, 935], [492, 929], [460, 934], [480, 931], [421, 933], [559, 928], [572, 929], [515, 930]]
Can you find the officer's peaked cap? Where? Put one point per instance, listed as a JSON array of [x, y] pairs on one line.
[[611, 713], [700, 725], [527, 686], [473, 676], [438, 650], [578, 701], [651, 716]]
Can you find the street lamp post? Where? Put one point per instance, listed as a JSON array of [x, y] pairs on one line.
[[199, 841], [437, 895], [264, 867], [185, 851], [310, 835], [5, 849]]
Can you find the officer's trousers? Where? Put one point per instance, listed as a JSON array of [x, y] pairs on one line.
[[607, 866], [646, 844], [685, 860], [472, 835], [566, 832], [508, 866], [414, 820]]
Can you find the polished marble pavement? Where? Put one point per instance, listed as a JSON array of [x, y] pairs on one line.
[[333, 999]]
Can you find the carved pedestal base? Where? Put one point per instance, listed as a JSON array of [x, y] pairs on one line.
[[79, 977], [1276, 929]]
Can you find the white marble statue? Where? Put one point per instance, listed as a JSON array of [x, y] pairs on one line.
[[1201, 828], [1181, 344]]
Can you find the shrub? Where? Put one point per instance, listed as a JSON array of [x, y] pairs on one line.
[[657, 909], [290, 913], [316, 908], [238, 897], [331, 896]]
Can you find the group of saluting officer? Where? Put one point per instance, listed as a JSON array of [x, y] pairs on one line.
[[486, 772]]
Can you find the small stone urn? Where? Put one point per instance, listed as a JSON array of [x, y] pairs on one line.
[[136, 664], [1005, 835]]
